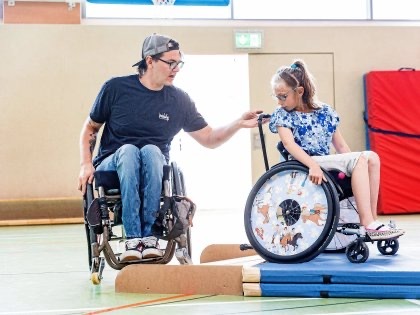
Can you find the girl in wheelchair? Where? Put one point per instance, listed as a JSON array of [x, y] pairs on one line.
[[307, 129]]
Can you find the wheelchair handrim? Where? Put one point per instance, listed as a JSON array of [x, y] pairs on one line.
[[264, 225]]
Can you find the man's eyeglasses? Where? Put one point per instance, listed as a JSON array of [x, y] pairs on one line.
[[282, 97], [173, 64]]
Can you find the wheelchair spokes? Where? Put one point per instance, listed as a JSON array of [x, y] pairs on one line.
[[349, 219]]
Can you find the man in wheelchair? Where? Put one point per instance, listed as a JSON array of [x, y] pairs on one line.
[[308, 128], [141, 114]]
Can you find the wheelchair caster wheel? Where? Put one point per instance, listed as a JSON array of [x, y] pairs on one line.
[[98, 265], [388, 247], [183, 257], [95, 278], [357, 252]]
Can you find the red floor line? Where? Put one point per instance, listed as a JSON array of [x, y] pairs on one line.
[[110, 309]]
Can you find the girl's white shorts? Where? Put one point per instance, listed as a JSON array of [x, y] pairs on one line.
[[344, 162]]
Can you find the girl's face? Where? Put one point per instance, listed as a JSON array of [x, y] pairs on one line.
[[286, 96]]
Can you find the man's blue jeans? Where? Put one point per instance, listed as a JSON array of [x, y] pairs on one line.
[[140, 172]]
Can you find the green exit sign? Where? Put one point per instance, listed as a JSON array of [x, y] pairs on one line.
[[248, 40]]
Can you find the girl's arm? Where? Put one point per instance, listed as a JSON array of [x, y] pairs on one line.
[[339, 143], [316, 175]]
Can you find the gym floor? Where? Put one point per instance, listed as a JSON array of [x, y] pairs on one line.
[[44, 270]]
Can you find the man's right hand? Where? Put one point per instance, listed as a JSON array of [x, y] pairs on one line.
[[85, 176]]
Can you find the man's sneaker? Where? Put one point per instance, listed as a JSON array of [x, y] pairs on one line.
[[133, 249], [151, 248], [382, 232]]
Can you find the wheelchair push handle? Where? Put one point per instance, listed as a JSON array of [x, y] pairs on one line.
[[263, 116], [260, 130]]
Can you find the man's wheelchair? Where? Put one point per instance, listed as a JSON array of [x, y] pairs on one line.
[[288, 219], [102, 210]]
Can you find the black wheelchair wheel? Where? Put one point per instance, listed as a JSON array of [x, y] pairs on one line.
[[357, 252], [178, 181], [388, 247], [189, 247], [90, 235], [178, 188], [287, 218]]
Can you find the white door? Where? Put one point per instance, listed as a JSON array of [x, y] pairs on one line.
[[216, 178]]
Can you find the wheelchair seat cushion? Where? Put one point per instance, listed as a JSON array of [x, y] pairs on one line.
[[107, 179]]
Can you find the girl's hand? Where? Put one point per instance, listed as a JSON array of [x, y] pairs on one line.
[[316, 175]]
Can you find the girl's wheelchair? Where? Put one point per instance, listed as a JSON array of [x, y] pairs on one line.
[[102, 210], [288, 219]]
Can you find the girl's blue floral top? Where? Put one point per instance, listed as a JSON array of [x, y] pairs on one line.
[[312, 131]]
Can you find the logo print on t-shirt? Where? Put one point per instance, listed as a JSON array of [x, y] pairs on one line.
[[164, 116]]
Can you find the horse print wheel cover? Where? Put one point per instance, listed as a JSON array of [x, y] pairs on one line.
[[287, 217]]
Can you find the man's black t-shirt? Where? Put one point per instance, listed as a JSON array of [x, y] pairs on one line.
[[136, 115]]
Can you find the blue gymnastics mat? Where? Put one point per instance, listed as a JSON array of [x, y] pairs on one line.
[[340, 291], [332, 275]]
